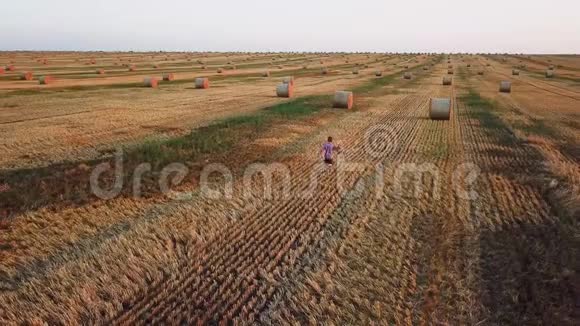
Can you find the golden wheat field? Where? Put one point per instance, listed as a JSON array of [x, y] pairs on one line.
[[126, 204]]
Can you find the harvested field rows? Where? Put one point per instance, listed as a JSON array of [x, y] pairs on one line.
[[470, 220], [56, 128]]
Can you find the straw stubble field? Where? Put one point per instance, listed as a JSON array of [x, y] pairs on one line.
[[489, 237]]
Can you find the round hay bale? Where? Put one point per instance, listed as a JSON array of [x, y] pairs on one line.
[[450, 71], [10, 68], [324, 71], [355, 72], [156, 66], [378, 73], [202, 82], [266, 74], [285, 90], [150, 82], [515, 72], [407, 75], [439, 108], [406, 66], [549, 73], [505, 86], [343, 100], [468, 66], [100, 71], [551, 67], [450, 67], [288, 80], [366, 66], [26, 76], [425, 68], [447, 80], [45, 80], [132, 68], [220, 71], [480, 72], [304, 67], [168, 76]]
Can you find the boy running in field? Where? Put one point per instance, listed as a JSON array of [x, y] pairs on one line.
[[327, 150]]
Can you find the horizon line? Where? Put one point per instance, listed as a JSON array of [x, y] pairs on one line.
[[297, 52]]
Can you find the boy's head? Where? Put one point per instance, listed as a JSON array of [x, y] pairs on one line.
[[329, 139]]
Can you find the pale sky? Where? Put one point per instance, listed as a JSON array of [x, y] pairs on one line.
[[533, 26]]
